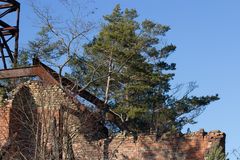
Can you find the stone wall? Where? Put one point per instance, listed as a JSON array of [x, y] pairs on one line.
[[4, 123], [34, 104]]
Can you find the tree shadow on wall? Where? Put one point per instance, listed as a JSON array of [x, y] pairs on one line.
[[174, 148], [23, 127], [148, 153], [179, 148]]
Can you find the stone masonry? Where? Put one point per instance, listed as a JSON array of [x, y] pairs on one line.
[[33, 98]]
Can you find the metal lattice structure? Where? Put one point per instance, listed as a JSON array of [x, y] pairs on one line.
[[9, 33]]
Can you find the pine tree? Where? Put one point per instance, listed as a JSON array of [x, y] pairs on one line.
[[216, 153], [127, 66], [134, 77]]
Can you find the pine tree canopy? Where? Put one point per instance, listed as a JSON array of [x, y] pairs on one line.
[[126, 64], [140, 86]]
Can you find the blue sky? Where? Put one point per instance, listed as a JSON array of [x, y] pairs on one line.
[[207, 36]]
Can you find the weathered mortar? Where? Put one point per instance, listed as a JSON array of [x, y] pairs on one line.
[[192, 146], [48, 97]]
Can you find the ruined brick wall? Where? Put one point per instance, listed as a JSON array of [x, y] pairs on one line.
[[192, 146], [37, 98], [32, 117]]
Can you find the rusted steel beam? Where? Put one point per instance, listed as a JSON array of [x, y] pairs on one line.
[[4, 6], [5, 44], [12, 9], [28, 72], [74, 88], [4, 24], [43, 73], [9, 31], [15, 55], [18, 72], [14, 28], [77, 90], [3, 56], [11, 2], [45, 76], [49, 76], [9, 38]]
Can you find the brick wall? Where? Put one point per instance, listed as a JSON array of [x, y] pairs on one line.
[[186, 147], [35, 104]]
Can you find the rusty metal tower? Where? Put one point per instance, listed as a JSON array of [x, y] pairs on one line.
[[9, 32]]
